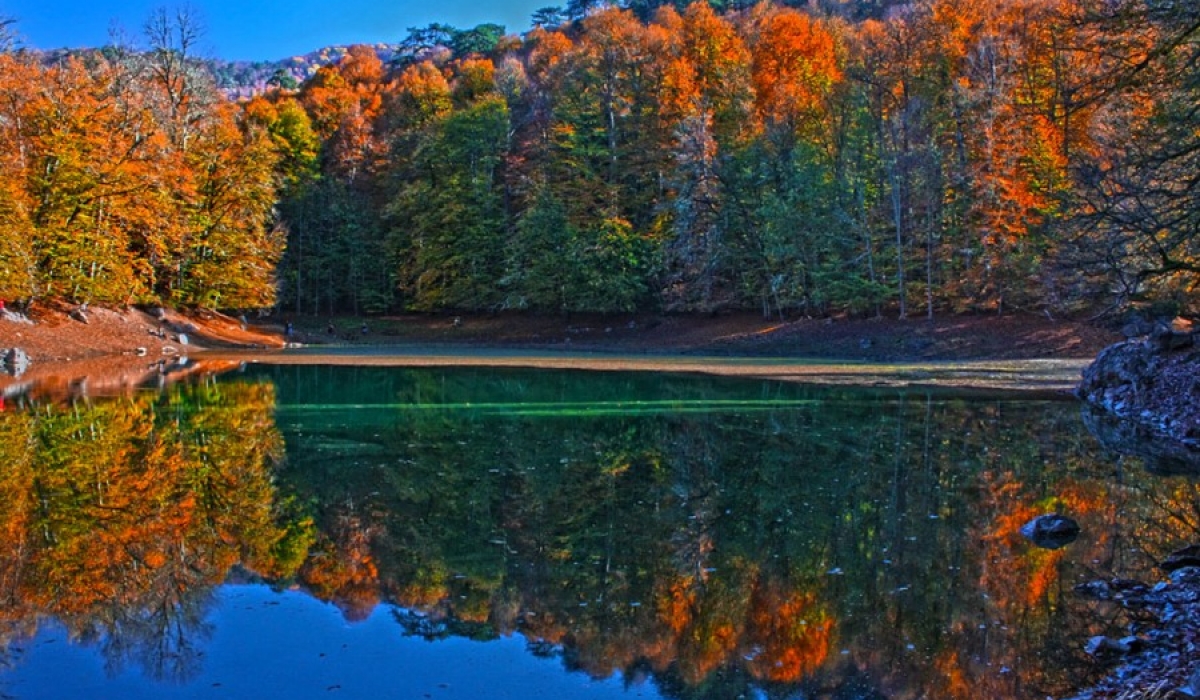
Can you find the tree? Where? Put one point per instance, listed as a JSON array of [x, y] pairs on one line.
[[447, 213], [1137, 221], [8, 37], [185, 89], [548, 17], [231, 254], [283, 80]]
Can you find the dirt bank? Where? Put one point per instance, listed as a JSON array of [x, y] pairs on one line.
[[129, 343], [113, 348], [875, 340]]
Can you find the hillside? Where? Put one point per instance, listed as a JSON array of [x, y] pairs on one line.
[[244, 79]]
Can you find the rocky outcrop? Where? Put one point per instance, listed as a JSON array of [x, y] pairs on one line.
[[1159, 658], [1152, 386]]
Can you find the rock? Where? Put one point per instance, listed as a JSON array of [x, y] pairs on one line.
[[1137, 327], [14, 317], [141, 352], [1118, 371], [1173, 336], [1191, 689], [1051, 531], [79, 315], [1186, 576], [1106, 646], [1154, 385], [15, 361], [1094, 590], [1113, 589]]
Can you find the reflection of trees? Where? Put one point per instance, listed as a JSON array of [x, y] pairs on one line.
[[119, 517], [847, 540]]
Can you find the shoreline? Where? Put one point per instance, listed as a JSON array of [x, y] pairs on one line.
[[128, 347]]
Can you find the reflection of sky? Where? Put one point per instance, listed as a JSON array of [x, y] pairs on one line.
[[287, 645]]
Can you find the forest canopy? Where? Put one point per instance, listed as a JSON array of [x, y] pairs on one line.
[[864, 157]]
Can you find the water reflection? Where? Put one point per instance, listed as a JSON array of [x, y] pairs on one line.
[[118, 518], [717, 537]]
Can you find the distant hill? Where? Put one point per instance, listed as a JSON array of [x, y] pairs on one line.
[[243, 79]]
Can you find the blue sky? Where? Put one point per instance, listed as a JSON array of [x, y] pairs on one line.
[[261, 30]]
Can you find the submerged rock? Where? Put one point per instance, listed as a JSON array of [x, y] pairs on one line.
[[1051, 531]]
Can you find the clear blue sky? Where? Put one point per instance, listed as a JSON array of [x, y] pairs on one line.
[[270, 29]]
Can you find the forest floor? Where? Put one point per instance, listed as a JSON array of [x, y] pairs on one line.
[[951, 338]]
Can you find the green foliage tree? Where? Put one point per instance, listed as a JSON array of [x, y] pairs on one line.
[[448, 212]]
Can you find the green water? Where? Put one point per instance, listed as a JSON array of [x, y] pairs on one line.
[[560, 533]]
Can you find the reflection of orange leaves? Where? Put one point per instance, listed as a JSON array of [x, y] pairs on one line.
[[545, 626], [1025, 570], [422, 594], [330, 575], [1043, 572], [790, 631], [708, 622], [139, 501], [474, 610], [342, 568], [711, 643], [949, 666], [676, 606]]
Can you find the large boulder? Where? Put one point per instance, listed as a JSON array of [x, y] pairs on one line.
[[1119, 377], [1153, 383]]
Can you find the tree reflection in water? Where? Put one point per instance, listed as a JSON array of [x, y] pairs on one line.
[[723, 535], [719, 537], [119, 517]]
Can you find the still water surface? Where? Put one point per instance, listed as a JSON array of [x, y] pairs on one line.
[[315, 531]]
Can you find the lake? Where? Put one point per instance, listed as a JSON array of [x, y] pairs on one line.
[[479, 531]]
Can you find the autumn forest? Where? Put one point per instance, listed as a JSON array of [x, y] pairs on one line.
[[861, 157]]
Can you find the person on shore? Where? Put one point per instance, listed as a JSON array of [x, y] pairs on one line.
[[288, 330]]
